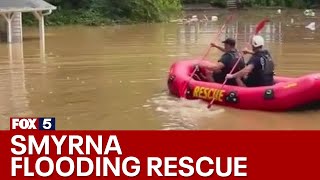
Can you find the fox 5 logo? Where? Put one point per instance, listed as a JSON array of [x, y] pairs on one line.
[[33, 123], [47, 123]]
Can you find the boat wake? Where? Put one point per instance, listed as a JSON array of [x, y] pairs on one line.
[[181, 114]]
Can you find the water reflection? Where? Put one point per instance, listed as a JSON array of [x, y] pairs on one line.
[[14, 101], [240, 30], [114, 77], [287, 51]]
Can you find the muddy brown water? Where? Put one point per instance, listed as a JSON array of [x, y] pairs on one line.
[[115, 77]]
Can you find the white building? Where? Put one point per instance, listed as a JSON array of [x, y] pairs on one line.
[[11, 23]]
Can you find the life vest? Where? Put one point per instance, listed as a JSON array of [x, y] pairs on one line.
[[262, 75], [220, 77]]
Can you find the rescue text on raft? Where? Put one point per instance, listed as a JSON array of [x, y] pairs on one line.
[[286, 94]]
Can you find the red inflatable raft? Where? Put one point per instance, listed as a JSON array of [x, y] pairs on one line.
[[286, 94]]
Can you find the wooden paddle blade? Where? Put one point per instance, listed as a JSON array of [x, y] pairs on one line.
[[261, 25]]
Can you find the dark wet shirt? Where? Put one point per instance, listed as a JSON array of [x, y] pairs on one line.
[[229, 59], [263, 71]]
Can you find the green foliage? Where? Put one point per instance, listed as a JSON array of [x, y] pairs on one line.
[[63, 17], [97, 12], [219, 3], [284, 3], [268, 3], [195, 1], [142, 10]]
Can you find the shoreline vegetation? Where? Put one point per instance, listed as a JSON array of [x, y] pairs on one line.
[[108, 12]]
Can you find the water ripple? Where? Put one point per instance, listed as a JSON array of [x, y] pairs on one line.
[[181, 114]]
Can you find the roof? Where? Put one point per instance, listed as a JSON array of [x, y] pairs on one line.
[[25, 5]]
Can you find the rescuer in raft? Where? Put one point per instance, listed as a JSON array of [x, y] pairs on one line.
[[217, 71], [259, 70]]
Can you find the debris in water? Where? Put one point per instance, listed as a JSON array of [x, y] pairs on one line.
[[205, 17], [214, 18], [177, 20], [279, 11], [309, 12], [194, 18], [311, 26]]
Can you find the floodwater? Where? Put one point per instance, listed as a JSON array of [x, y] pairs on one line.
[[115, 77]]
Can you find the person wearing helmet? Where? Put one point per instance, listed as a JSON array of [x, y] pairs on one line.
[[216, 72], [259, 70]]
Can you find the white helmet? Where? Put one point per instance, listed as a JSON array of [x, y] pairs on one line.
[[257, 41]]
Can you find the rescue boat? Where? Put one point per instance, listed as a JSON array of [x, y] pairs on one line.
[[286, 94]]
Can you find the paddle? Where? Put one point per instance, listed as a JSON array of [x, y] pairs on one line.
[[229, 18], [259, 27]]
